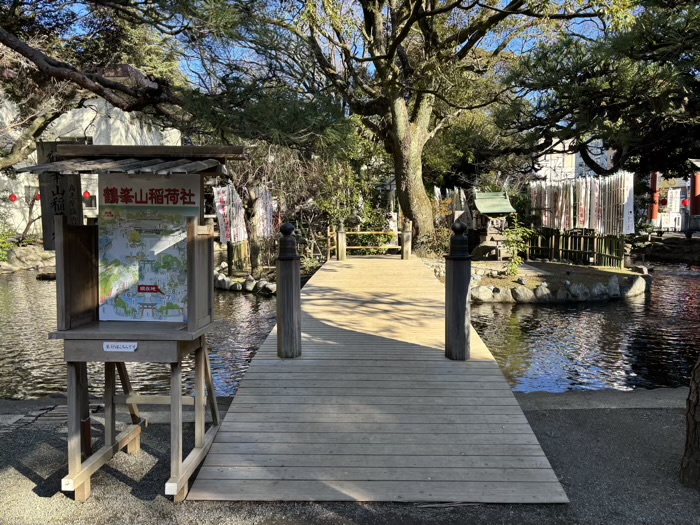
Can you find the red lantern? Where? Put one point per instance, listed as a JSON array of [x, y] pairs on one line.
[[38, 197], [13, 197], [86, 194], [663, 202], [685, 203]]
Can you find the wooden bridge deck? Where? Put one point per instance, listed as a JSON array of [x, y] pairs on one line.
[[372, 411]]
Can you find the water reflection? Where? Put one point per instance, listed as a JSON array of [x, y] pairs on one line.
[[32, 366], [647, 342], [651, 342]]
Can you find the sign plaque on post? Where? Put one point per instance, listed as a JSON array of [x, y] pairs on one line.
[[60, 195]]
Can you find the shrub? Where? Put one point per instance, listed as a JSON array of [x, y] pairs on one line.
[[516, 243]]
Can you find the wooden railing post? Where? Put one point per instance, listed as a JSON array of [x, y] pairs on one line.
[[406, 239], [341, 243], [288, 296], [458, 274]]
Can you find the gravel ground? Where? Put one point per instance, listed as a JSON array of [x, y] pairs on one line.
[[617, 465]]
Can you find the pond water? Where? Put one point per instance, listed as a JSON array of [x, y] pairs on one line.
[[651, 342], [647, 342], [32, 366]]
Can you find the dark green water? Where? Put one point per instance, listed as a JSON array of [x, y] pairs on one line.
[[31, 366], [647, 342]]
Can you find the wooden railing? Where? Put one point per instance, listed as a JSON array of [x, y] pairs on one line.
[[338, 246], [578, 245]]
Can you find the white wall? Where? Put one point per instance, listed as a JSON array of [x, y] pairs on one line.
[[105, 124]]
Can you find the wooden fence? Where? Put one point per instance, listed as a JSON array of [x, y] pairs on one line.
[[582, 246], [337, 242]]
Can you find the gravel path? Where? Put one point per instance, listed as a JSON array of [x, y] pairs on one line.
[[617, 465]]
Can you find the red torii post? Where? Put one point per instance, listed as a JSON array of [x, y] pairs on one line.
[[694, 196]]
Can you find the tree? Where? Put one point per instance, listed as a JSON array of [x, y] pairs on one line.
[[636, 87], [93, 42], [407, 67]]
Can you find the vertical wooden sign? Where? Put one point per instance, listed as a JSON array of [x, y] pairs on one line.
[[60, 195]]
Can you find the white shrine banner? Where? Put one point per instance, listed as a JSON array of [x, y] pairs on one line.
[[222, 203], [604, 204], [628, 220]]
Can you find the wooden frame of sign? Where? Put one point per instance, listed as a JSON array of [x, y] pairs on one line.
[[114, 343]]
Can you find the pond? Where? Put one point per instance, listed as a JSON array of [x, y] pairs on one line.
[[32, 366], [649, 342], [652, 342]]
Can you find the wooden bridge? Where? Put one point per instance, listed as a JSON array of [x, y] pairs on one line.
[[372, 410]]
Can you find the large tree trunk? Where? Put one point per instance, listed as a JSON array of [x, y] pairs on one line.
[[250, 197], [407, 141], [690, 468]]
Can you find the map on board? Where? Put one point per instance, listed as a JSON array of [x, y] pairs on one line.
[[143, 249]]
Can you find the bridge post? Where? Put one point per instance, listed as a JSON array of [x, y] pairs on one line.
[[406, 239], [340, 248], [458, 273], [288, 296]]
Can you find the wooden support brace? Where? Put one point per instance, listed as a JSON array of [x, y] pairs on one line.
[[211, 392], [126, 386], [177, 485], [76, 480], [150, 400]]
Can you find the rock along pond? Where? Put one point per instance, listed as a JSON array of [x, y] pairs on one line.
[[652, 341]]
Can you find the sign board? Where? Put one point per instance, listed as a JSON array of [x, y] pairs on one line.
[[60, 195], [142, 236]]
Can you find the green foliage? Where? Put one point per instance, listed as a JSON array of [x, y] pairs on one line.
[[437, 245], [309, 265], [6, 245], [517, 237], [635, 86]]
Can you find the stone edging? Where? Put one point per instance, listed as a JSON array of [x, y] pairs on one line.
[[568, 293], [31, 257]]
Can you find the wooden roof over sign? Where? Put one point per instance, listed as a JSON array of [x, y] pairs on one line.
[[138, 160]]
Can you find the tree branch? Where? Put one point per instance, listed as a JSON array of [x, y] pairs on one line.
[[117, 94]]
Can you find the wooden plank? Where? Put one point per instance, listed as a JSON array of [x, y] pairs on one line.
[[375, 449], [375, 460], [255, 375], [378, 428], [377, 473], [129, 331], [312, 365], [387, 438], [424, 402], [480, 492], [239, 407], [77, 295], [371, 392], [378, 417], [253, 385]]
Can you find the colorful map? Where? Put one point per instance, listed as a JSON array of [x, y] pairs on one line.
[[143, 263]]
